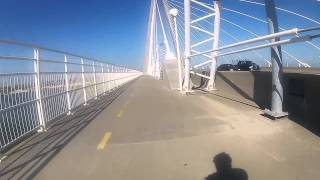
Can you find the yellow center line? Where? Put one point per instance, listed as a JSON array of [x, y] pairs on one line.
[[120, 114], [104, 141]]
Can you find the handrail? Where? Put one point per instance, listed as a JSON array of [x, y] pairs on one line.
[[30, 100]]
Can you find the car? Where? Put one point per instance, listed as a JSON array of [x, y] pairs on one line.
[[247, 66], [227, 67]]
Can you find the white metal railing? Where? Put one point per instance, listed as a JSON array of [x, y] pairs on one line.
[[53, 87]]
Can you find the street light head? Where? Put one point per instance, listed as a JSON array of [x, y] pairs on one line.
[[174, 12]]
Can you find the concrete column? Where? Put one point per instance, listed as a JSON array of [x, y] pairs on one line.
[[276, 59]]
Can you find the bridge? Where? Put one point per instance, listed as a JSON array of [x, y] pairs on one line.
[[68, 116]]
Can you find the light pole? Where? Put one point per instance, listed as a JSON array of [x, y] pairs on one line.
[[174, 13]]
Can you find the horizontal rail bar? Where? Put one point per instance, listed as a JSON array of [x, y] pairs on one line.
[[202, 18], [202, 42], [254, 40], [202, 4], [74, 63], [202, 30], [16, 58], [30, 100], [282, 42], [18, 105], [201, 75]]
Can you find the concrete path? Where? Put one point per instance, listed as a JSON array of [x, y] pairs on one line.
[[152, 132]]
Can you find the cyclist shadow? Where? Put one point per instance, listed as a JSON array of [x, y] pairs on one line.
[[223, 163]]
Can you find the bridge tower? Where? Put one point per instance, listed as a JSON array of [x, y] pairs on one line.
[[152, 56], [149, 49]]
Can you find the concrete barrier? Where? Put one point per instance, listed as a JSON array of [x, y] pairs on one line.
[[301, 93]]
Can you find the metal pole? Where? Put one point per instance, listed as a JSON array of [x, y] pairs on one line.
[[116, 76], [108, 77], [103, 83], [187, 45], [112, 77], [216, 35], [276, 59], [67, 83], [37, 84], [94, 80], [174, 14], [83, 83]]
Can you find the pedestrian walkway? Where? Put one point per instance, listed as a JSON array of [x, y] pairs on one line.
[[152, 132]]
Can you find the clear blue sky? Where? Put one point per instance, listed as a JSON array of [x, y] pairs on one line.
[[113, 30]]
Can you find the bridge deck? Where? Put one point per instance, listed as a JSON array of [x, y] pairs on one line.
[[151, 132]]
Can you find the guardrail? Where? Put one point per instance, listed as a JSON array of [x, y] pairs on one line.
[[52, 83]]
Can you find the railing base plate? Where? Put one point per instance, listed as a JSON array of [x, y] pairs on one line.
[[275, 115], [2, 157]]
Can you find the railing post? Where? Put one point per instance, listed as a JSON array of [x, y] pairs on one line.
[[83, 83], [94, 80], [103, 80], [187, 46], [67, 83], [37, 84], [112, 76], [116, 76], [108, 77], [115, 68], [216, 36]]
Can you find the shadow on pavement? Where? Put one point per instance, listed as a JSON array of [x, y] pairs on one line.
[[30, 156], [223, 164], [301, 93]]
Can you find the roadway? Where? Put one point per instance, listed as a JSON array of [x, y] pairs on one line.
[[152, 132]]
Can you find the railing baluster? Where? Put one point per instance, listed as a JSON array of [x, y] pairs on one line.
[[94, 80], [117, 76], [67, 83], [109, 82], [103, 80], [37, 84], [30, 100], [112, 76], [83, 83]]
